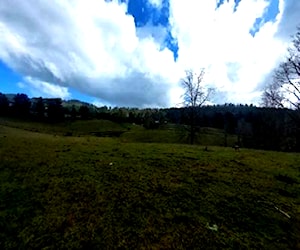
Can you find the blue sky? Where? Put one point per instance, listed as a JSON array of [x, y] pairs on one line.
[[134, 53], [9, 79]]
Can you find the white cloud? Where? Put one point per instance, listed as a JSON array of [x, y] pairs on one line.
[[98, 103], [45, 89], [220, 40], [94, 47], [158, 33], [90, 45], [290, 19]]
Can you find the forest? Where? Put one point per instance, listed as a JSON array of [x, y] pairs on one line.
[[254, 127]]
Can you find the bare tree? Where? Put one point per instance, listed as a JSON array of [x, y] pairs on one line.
[[273, 96], [195, 96], [284, 91]]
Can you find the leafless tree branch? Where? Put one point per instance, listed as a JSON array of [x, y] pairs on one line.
[[285, 89], [195, 96]]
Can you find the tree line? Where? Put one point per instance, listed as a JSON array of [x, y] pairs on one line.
[[255, 127]]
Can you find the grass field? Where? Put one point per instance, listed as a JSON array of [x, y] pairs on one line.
[[169, 133], [71, 192], [77, 128]]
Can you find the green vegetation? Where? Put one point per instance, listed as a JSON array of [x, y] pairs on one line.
[[178, 134], [83, 191], [76, 128], [168, 133], [243, 125]]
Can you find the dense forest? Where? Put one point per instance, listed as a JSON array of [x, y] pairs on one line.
[[254, 127]]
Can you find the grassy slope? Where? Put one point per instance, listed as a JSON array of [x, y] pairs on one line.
[[76, 128], [129, 133], [177, 134], [103, 193]]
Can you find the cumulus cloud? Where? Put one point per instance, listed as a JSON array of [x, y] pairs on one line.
[[219, 40], [290, 19], [46, 89], [158, 33], [93, 46]]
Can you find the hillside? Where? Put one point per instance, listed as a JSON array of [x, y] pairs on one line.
[[251, 127], [168, 133], [70, 192], [76, 128]]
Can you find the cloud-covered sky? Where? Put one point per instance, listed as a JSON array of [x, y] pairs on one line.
[[134, 52]]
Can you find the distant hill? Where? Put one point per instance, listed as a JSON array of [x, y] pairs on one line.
[[77, 104], [10, 97], [65, 103]]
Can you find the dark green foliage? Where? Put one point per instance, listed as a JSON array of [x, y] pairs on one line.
[[38, 108], [84, 112], [73, 113], [4, 105], [230, 123], [21, 105], [54, 109]]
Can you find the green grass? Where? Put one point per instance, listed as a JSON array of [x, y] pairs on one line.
[[61, 192], [76, 128], [177, 134], [170, 133]]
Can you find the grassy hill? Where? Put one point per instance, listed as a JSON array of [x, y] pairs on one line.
[[177, 134], [76, 128], [169, 133], [71, 192]]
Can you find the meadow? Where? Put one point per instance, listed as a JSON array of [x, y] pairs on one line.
[[82, 186]]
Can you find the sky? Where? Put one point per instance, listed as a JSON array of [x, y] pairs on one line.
[[133, 53]]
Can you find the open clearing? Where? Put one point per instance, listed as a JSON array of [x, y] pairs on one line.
[[71, 192]]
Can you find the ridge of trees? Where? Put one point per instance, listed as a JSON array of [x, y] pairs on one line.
[[255, 127]]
